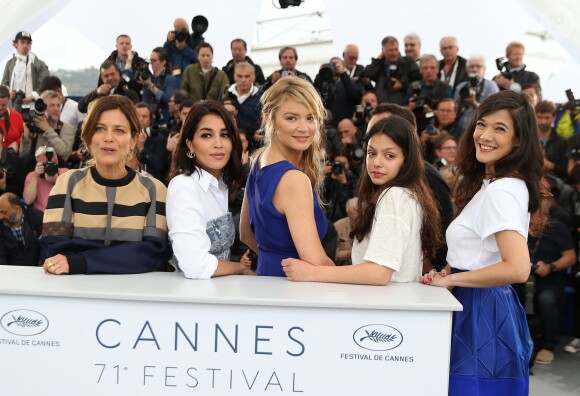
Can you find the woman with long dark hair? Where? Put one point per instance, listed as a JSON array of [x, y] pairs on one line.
[[398, 222], [205, 164], [498, 200]]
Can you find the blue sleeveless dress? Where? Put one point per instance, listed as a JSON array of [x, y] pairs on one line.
[[270, 226]]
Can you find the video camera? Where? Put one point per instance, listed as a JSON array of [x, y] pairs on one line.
[[30, 111], [50, 167]]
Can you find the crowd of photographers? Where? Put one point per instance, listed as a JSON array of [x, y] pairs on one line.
[[40, 129]]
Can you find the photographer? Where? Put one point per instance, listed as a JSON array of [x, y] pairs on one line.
[[390, 71], [441, 120], [10, 121], [245, 98], [40, 181], [554, 145], [151, 143], [339, 187], [128, 62], [239, 50], [514, 70], [288, 57], [470, 93], [204, 81], [179, 51], [46, 129], [24, 72], [426, 90], [363, 112], [159, 86], [112, 84], [12, 170], [351, 139], [339, 93], [20, 229]]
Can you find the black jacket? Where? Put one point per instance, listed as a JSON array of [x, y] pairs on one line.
[[15, 169], [135, 63], [377, 71], [12, 252], [230, 66], [461, 74]]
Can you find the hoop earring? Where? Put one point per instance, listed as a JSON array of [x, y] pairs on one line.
[[190, 154]]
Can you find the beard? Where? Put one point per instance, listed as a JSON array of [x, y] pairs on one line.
[[544, 128]]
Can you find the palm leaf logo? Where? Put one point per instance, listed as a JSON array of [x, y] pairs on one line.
[[23, 321], [377, 337]]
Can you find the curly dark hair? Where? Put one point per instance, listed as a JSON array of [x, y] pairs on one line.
[[411, 176], [525, 161]]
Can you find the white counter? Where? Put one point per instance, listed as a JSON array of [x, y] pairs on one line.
[[160, 333]]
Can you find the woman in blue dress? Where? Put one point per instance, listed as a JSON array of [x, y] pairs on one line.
[[206, 162], [497, 200], [281, 215]]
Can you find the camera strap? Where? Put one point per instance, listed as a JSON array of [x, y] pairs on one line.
[[206, 88]]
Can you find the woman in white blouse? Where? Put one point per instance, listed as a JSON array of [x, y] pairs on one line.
[[205, 164]]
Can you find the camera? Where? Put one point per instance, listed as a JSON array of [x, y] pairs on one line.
[[469, 89], [388, 85], [284, 72], [50, 167], [416, 96], [430, 127], [325, 81], [327, 72], [440, 163], [181, 35], [6, 171], [30, 112], [337, 167], [19, 101], [142, 71], [501, 67]]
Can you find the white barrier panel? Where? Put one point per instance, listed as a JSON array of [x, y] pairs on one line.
[[121, 341]]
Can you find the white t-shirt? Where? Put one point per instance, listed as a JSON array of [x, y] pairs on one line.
[[395, 237], [192, 201], [498, 206]]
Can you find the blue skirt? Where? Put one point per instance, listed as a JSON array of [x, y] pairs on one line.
[[490, 344]]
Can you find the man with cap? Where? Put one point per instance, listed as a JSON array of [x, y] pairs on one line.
[[25, 71]]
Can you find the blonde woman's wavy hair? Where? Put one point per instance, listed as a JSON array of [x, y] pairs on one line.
[[301, 91]]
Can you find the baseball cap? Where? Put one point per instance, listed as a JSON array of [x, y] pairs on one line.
[[23, 35]]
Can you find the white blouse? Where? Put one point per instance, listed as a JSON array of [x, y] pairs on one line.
[[192, 201], [500, 205], [395, 237]]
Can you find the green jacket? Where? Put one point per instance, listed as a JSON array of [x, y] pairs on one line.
[[39, 72], [194, 81]]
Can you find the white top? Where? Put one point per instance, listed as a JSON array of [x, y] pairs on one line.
[[192, 201], [70, 113], [395, 237], [498, 206]]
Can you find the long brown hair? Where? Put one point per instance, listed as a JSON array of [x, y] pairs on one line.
[[525, 161], [411, 176], [182, 164]]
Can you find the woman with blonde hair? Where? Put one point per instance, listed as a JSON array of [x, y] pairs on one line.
[[281, 214]]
